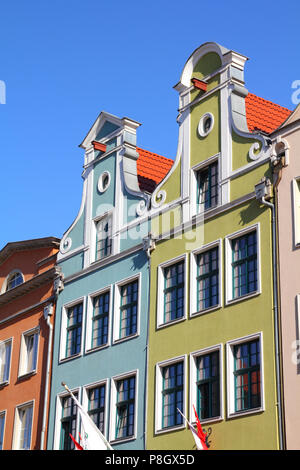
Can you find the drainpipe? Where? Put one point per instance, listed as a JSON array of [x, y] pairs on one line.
[[48, 312], [148, 246], [261, 190]]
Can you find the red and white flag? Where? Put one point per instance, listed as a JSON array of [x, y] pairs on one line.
[[93, 438], [198, 437]]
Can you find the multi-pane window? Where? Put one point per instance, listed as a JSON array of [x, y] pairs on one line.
[[208, 385], [68, 422], [100, 319], [173, 292], [23, 427], [29, 352], [104, 237], [207, 187], [125, 407], [96, 407], [5, 355], [128, 308], [208, 279], [172, 394], [247, 382], [244, 265], [2, 423], [14, 280], [74, 329]]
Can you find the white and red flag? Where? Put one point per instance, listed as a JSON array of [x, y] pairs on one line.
[[198, 435], [93, 438]]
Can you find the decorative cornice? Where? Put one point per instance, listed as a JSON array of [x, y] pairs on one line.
[[30, 285]]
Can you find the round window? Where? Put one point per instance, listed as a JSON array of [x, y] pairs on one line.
[[206, 124], [104, 181]]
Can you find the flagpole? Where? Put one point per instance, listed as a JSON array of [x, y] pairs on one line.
[[92, 422]]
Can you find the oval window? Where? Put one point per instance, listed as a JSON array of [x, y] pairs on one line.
[[206, 124]]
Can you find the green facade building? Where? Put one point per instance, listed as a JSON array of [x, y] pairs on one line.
[[212, 318]]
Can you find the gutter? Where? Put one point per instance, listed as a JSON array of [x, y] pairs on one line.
[[261, 197]]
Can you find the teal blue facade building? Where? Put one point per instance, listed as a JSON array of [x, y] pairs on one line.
[[100, 333]]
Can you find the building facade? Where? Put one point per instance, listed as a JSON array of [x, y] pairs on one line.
[[100, 340], [286, 168], [28, 277], [213, 333]]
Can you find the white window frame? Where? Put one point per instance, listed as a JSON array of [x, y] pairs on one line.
[[96, 220], [113, 408], [63, 329], [85, 400], [23, 360], [228, 264], [194, 312], [8, 277], [89, 318], [117, 299], [9, 340], [3, 413], [160, 291], [193, 180], [193, 379], [158, 393], [17, 424], [57, 426], [231, 413]]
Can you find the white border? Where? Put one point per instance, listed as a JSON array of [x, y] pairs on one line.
[[228, 263], [85, 400], [231, 413], [193, 378], [22, 356], [200, 127], [5, 382], [193, 178], [193, 275], [89, 318], [158, 393], [117, 297], [63, 329], [58, 413], [100, 186], [16, 429], [160, 290], [113, 400]]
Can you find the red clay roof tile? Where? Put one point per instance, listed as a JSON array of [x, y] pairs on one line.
[[262, 115]]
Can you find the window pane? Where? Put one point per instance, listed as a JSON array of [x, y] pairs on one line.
[[74, 327], [172, 395], [174, 292], [244, 265], [100, 320], [247, 375], [208, 385], [125, 407], [128, 309]]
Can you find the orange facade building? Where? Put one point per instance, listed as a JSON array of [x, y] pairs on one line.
[[29, 282]]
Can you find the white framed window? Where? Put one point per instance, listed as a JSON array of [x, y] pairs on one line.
[[66, 421], [72, 324], [243, 270], [104, 239], [127, 308], [206, 278], [99, 312], [23, 426], [95, 402], [172, 291], [2, 428], [124, 400], [171, 381], [14, 279], [206, 372], [245, 377], [206, 124], [5, 360], [205, 185], [29, 352]]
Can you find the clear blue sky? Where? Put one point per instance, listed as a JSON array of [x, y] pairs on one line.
[[64, 61]]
